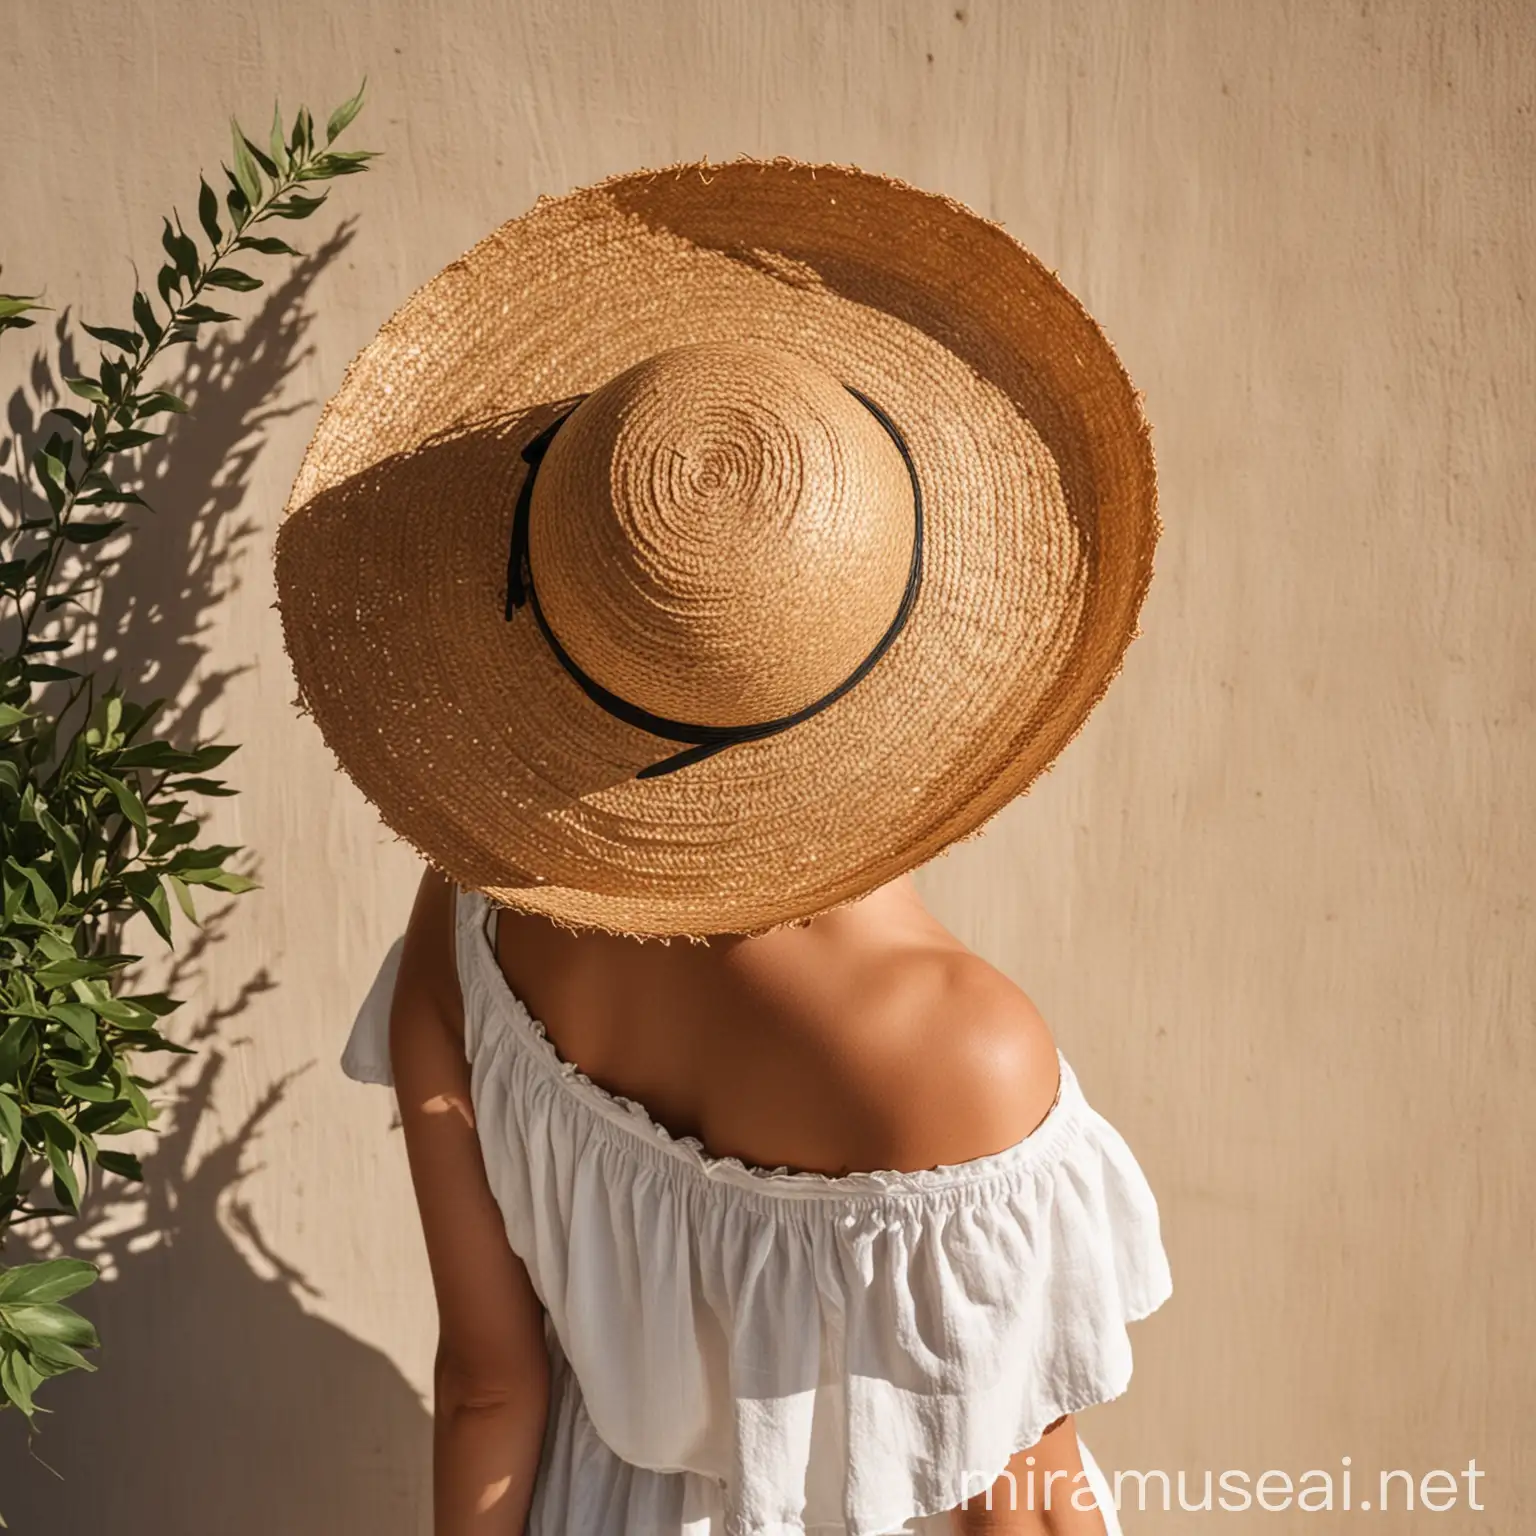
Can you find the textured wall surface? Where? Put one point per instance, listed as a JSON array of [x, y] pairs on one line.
[[1275, 899]]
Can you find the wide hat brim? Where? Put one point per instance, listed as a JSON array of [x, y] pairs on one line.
[[481, 751]]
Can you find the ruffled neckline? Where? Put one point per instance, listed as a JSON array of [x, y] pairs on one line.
[[1045, 1140]]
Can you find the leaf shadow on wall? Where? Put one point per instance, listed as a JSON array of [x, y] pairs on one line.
[[219, 1403]]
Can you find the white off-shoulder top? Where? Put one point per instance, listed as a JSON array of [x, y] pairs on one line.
[[741, 1351]]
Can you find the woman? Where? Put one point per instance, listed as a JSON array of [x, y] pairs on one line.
[[805, 1224]]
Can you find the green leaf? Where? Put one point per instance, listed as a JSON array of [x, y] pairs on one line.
[[53, 947], [137, 716], [199, 874], [182, 251], [201, 787], [88, 389], [57, 1129], [356, 158], [268, 245], [91, 533], [17, 1046], [345, 113], [51, 467], [51, 1280], [229, 277], [208, 212], [110, 496], [168, 285], [65, 843], [42, 892], [128, 802], [138, 1020], [54, 478], [52, 1334], [10, 1124], [224, 880], [159, 1004], [60, 973], [153, 904], [59, 1147], [93, 1091], [126, 438], [113, 1009], [39, 1321], [155, 754], [124, 1164], [171, 833], [201, 759], [79, 1020], [19, 1378], [15, 303], [301, 141], [207, 859], [10, 715], [160, 400], [114, 374], [141, 1112], [280, 157], [126, 341], [236, 201], [295, 206], [183, 895], [247, 177], [144, 314], [201, 314], [161, 754], [151, 1041], [59, 1357], [260, 156], [337, 163], [104, 1119]]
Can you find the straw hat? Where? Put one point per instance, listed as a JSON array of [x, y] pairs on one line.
[[710, 546]]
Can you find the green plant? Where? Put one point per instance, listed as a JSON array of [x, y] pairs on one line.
[[95, 824]]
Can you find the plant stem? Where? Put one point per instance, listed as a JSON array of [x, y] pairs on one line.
[[96, 456], [33, 1213]]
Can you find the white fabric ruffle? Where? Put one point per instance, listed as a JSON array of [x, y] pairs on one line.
[[741, 1350]]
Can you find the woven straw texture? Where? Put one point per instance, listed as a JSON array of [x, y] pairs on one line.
[[719, 533]]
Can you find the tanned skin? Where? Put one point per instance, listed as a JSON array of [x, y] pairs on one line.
[[868, 1038]]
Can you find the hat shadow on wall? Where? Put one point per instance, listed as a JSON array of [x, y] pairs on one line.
[[219, 1402]]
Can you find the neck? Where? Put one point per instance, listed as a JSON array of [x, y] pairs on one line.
[[878, 914]]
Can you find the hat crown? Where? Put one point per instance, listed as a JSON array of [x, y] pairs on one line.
[[721, 533]]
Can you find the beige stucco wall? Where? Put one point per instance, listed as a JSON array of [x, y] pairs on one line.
[[1276, 899]]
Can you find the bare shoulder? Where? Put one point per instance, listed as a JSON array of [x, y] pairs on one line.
[[973, 1072]]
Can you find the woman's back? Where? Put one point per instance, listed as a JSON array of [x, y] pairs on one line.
[[770, 1298], [847, 1044]]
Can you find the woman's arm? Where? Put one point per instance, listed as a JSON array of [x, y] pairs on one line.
[[491, 1382], [984, 1083]]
